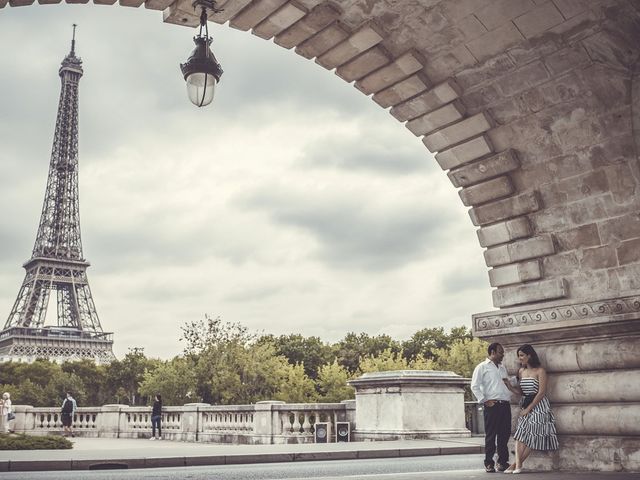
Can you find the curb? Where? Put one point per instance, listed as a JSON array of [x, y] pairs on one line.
[[233, 459]]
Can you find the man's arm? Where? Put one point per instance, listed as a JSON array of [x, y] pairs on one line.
[[476, 385]]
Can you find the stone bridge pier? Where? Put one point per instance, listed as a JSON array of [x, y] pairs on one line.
[[531, 108]]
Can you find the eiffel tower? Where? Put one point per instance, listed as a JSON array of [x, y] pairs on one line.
[[57, 262]]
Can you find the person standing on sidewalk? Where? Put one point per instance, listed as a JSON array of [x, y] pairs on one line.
[[156, 418], [68, 411], [488, 386], [6, 410]]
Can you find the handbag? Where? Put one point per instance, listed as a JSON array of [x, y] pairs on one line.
[[11, 416], [526, 401]]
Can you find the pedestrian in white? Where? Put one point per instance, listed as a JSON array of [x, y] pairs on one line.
[[6, 410], [488, 386]]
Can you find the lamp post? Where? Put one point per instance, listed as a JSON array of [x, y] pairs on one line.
[[201, 70]]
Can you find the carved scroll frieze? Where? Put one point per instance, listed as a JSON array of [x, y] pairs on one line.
[[550, 315]]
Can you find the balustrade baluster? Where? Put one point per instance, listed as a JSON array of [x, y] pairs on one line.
[[296, 423], [306, 424]]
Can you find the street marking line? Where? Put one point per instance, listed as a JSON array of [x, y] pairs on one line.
[[388, 475]]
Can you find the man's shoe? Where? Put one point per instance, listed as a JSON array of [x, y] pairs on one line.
[[502, 467], [489, 469]]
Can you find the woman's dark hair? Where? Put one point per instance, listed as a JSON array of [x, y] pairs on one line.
[[527, 349], [159, 397]]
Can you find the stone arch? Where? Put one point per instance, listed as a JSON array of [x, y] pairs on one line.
[[531, 106]]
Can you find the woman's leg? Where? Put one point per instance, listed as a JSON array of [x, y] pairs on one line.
[[159, 427], [522, 452], [153, 426]]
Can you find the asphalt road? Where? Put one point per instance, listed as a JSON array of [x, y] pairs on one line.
[[375, 469], [444, 467]]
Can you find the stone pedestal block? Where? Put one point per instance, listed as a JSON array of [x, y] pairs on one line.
[[591, 351], [409, 404], [110, 422], [189, 418]]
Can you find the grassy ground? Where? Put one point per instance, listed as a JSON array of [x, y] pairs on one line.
[[28, 442]]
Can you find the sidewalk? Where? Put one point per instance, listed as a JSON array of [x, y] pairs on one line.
[[103, 453]]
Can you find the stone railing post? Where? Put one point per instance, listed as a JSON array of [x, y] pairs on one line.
[[25, 420], [266, 421], [191, 421], [350, 412], [407, 404], [109, 421]]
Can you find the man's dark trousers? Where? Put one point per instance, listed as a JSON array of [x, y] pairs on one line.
[[497, 426]]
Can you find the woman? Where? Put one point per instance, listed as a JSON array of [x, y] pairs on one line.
[[536, 428], [6, 410], [156, 418]]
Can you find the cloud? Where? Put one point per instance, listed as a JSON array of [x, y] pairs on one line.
[[351, 232], [349, 153]]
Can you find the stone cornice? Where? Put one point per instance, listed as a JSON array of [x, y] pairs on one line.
[[557, 316]]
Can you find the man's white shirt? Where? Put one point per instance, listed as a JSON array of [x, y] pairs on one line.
[[487, 384]]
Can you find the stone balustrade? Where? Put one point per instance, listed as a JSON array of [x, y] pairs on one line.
[[262, 423]]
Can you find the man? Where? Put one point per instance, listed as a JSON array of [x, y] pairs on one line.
[[487, 384], [69, 407]]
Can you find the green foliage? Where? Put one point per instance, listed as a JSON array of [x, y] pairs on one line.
[[128, 373], [462, 356], [199, 335], [430, 342], [230, 366], [308, 351], [94, 389], [175, 380], [332, 383], [296, 387], [354, 347], [27, 442], [60, 383], [383, 362], [388, 360], [226, 364]]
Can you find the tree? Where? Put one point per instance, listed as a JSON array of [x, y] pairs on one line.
[[385, 361], [296, 387], [332, 383], [199, 335], [425, 342], [29, 393], [60, 383], [91, 375], [308, 351], [175, 380], [129, 372], [353, 347], [241, 374], [388, 360], [463, 356]]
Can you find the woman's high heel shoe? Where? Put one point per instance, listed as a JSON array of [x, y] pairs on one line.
[[518, 470], [511, 468]]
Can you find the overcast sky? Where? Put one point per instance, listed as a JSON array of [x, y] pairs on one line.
[[293, 204]]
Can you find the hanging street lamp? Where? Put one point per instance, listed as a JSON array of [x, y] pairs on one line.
[[201, 70]]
